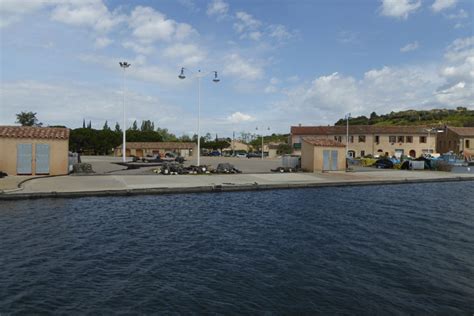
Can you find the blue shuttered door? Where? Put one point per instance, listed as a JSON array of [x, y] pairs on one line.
[[24, 158], [42, 158], [326, 163], [334, 160]]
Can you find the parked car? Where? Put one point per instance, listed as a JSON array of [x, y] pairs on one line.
[[214, 153], [254, 155], [241, 155], [383, 164]]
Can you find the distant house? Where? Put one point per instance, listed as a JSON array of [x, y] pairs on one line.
[[143, 149], [28, 150], [371, 140], [456, 139], [237, 146], [319, 154]]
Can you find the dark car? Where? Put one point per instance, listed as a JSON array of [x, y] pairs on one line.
[[384, 164], [254, 155], [214, 153]]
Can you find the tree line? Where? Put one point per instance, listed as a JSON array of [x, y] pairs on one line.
[[461, 116], [89, 140]]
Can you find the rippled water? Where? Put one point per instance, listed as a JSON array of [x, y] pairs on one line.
[[365, 250]]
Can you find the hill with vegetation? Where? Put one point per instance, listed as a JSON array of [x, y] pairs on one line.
[[460, 116]]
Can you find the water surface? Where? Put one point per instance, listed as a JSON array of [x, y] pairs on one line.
[[365, 250]]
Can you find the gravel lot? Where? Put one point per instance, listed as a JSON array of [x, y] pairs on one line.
[[107, 164]]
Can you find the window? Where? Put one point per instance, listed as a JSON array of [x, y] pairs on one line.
[[339, 139], [409, 139], [335, 138], [392, 139], [400, 139], [361, 138], [297, 145], [423, 139], [351, 139], [362, 153], [468, 143], [377, 139]]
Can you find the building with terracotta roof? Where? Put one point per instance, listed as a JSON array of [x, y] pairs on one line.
[[26, 150], [144, 149], [322, 154], [456, 139], [371, 140]]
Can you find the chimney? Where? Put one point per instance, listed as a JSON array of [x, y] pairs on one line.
[[299, 124]]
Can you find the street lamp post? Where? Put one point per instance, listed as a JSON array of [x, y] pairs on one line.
[[348, 116], [124, 66], [268, 128], [198, 76]]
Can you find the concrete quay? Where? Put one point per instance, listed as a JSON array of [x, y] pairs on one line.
[[106, 185]]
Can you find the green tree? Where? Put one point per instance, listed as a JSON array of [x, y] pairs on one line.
[[106, 127], [147, 125], [134, 126], [117, 128], [27, 119]]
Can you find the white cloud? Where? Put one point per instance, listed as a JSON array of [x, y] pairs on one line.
[[87, 13], [448, 84], [270, 89], [189, 54], [149, 25], [139, 70], [274, 81], [12, 11], [247, 26], [238, 117], [102, 42], [293, 79], [236, 66], [410, 47], [440, 5], [461, 14], [145, 49], [279, 32], [458, 72], [347, 37], [82, 101], [217, 8], [399, 8]]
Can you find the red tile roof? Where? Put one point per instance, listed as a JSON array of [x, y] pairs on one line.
[[463, 131], [323, 142], [34, 132], [356, 130], [159, 145]]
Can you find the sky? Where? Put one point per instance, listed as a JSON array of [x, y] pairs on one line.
[[281, 63]]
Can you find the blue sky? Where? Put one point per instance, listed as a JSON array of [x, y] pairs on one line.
[[280, 62]]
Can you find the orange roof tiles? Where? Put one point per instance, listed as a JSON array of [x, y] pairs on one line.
[[357, 129], [159, 145], [323, 142], [463, 131], [34, 132]]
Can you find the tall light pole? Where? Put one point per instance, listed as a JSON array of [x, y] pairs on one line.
[[348, 116], [124, 66], [198, 76], [268, 128]]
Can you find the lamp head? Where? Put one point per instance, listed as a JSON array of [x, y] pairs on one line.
[[181, 75], [216, 79], [124, 64]]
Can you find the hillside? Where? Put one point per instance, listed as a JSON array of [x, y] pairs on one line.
[[461, 116]]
